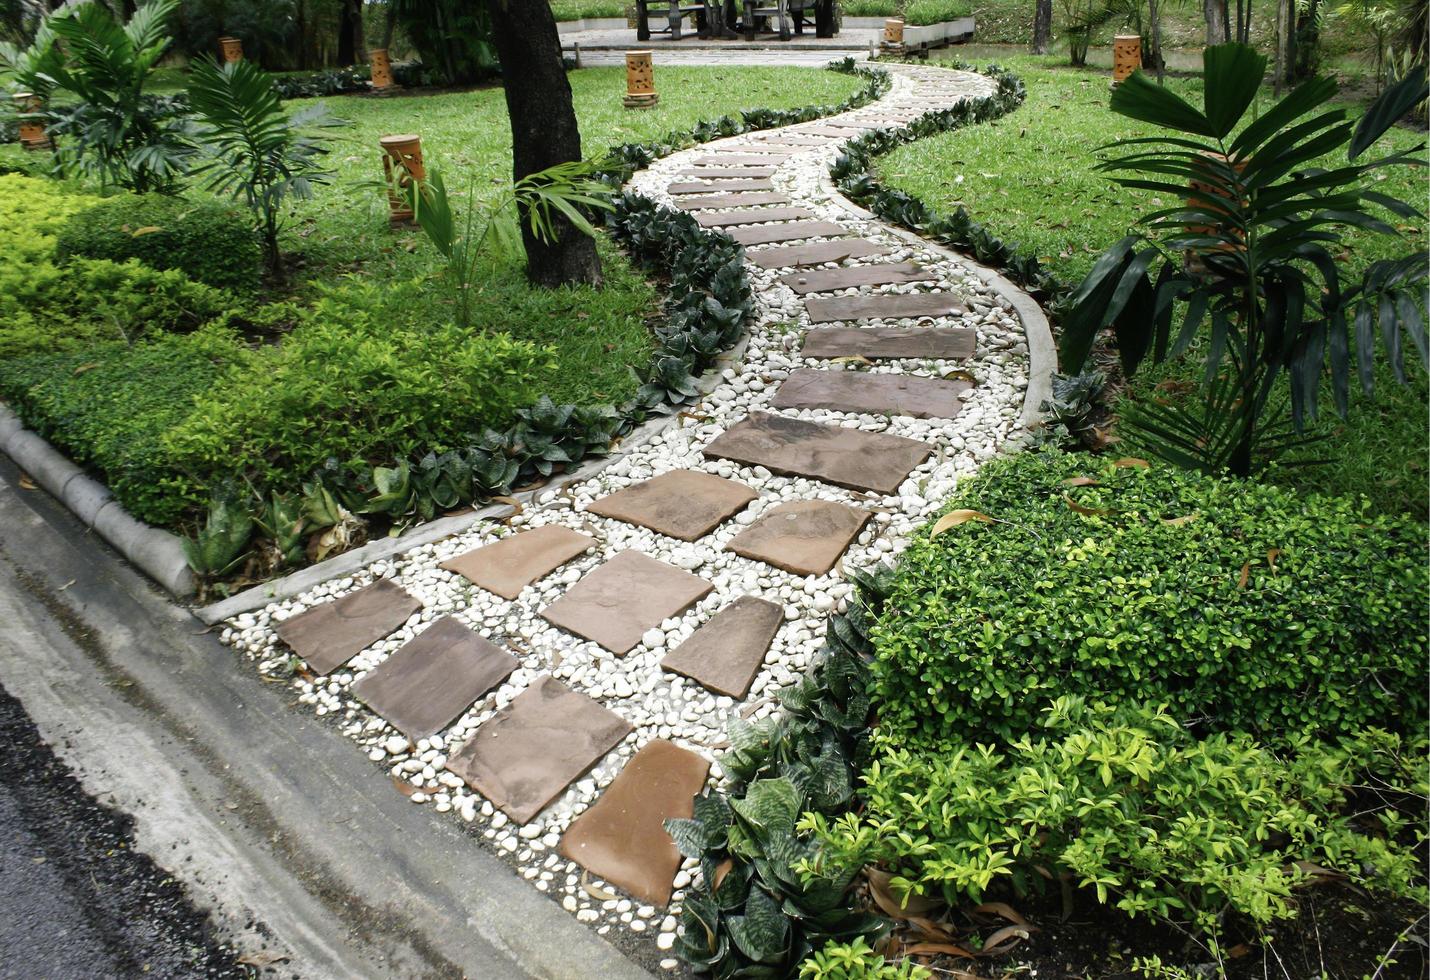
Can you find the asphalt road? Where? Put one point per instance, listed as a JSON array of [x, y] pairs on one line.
[[76, 898]]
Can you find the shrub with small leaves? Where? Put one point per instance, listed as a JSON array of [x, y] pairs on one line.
[[1240, 605], [857, 960]]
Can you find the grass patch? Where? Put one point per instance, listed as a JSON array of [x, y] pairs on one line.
[[1030, 177], [916, 13], [586, 9]]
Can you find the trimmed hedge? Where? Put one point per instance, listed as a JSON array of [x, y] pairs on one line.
[[1241, 606], [208, 241]]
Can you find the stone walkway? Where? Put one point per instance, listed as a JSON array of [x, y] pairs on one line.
[[563, 681]]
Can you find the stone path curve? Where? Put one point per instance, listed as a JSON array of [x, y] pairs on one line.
[[588, 655]]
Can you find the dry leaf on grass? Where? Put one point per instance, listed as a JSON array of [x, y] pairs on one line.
[[956, 517], [1132, 461], [1080, 481], [937, 949], [1082, 509]]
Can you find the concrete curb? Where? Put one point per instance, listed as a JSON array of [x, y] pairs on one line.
[[1042, 352], [158, 553]]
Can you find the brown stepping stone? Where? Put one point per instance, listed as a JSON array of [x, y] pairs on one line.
[[708, 173], [330, 635], [889, 342], [622, 838], [758, 158], [684, 504], [872, 394], [885, 306], [824, 280], [844, 457], [805, 537], [748, 216], [511, 564], [730, 200], [788, 231], [436, 676], [793, 139], [623, 598], [524, 756], [711, 186], [726, 653], [839, 129], [793, 256]]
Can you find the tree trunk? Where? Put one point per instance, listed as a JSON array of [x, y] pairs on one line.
[[1154, 26], [543, 131], [1042, 26], [351, 45], [1215, 13], [1307, 41]]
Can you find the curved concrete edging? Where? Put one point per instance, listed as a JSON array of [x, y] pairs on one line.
[[159, 554]]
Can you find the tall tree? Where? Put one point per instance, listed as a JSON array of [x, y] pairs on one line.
[[543, 131], [1218, 31], [352, 47], [1042, 26]]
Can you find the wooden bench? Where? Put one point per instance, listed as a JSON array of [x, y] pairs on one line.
[[675, 18]]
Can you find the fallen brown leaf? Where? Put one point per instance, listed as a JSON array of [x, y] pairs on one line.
[[1271, 557], [1133, 461], [1005, 939], [1004, 910], [913, 906], [515, 504], [1080, 481], [27, 484], [1177, 521], [1245, 576], [937, 949], [403, 786], [1079, 508], [956, 517], [262, 958]]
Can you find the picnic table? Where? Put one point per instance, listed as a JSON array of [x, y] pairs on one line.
[[721, 18]]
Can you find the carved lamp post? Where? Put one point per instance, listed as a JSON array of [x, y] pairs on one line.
[[640, 81], [402, 153], [1126, 57], [381, 70], [231, 48]]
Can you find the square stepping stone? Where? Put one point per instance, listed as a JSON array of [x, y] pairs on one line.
[[711, 186], [511, 564], [436, 676], [872, 394], [726, 653], [622, 838], [618, 602], [788, 231], [844, 457], [758, 158], [525, 755], [889, 342], [882, 306], [330, 635], [805, 537], [747, 216], [824, 280], [696, 203], [789, 256], [684, 504], [711, 173]]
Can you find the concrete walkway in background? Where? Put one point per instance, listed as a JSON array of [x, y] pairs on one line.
[[257, 809]]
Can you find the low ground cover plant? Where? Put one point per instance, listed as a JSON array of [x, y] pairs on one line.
[[1241, 606]]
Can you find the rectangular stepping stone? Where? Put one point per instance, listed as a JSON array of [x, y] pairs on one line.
[[793, 256], [622, 838], [758, 158], [525, 755], [885, 306], [792, 139], [747, 216], [684, 504], [709, 173], [805, 537], [618, 602], [890, 342], [844, 457], [711, 186], [872, 394], [840, 129], [730, 200], [511, 564], [788, 231], [436, 676], [824, 280], [330, 635], [726, 653]]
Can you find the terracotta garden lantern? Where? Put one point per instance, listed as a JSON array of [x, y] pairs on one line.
[[32, 132], [894, 33], [404, 154], [640, 81], [1126, 56], [231, 48], [381, 70]]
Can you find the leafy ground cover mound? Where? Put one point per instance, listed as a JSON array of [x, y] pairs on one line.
[[1241, 606]]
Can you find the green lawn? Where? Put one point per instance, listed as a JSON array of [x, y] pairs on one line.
[[1030, 177]]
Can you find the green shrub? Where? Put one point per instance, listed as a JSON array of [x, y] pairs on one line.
[[857, 961], [207, 241], [1149, 818], [110, 406], [346, 386], [1241, 606]]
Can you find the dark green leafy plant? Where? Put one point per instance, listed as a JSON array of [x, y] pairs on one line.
[[106, 126], [283, 523], [221, 544], [1242, 606], [1252, 250], [252, 149]]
